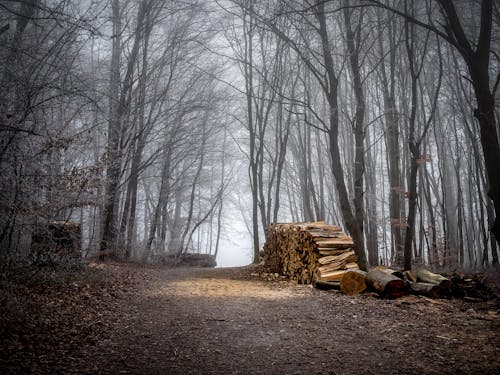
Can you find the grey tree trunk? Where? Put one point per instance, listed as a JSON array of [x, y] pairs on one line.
[[353, 223]]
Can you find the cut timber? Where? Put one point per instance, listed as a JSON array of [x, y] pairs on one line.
[[327, 285], [300, 250], [320, 226], [427, 276], [316, 224], [332, 266], [331, 275], [353, 282], [386, 285], [330, 251], [347, 256], [335, 242], [327, 259], [410, 276], [326, 235], [428, 290], [390, 271]]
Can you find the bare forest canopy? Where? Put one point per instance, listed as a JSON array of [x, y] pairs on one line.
[[164, 127]]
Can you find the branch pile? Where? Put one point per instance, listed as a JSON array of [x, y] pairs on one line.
[[309, 252]]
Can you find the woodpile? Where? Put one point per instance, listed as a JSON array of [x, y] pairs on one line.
[[389, 283], [321, 254], [309, 252], [57, 242]]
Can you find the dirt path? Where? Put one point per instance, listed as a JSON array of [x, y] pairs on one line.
[[232, 321], [222, 322]]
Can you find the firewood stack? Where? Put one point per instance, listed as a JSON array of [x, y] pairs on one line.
[[309, 252]]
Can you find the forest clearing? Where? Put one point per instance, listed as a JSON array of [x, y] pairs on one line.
[[127, 318]]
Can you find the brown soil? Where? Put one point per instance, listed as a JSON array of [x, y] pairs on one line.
[[144, 320]]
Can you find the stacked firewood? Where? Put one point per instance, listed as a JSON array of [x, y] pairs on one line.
[[321, 254], [309, 252]]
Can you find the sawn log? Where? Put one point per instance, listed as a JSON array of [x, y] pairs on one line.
[[353, 282], [386, 285]]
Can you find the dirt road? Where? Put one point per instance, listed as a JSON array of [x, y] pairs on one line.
[[233, 321]]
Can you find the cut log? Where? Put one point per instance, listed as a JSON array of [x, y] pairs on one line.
[[323, 251], [323, 228], [390, 271], [336, 243], [336, 262], [331, 275], [352, 266], [327, 259], [332, 266], [353, 282], [427, 276], [295, 250], [327, 285], [410, 276], [386, 285], [347, 256], [428, 290]]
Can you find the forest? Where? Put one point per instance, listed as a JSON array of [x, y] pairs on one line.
[[157, 126], [338, 160]]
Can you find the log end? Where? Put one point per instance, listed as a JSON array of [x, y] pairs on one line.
[[394, 289], [353, 282]]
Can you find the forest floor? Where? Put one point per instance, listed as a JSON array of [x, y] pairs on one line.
[[125, 318]]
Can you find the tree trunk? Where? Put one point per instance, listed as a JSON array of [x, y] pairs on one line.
[[353, 46], [163, 197], [119, 104], [113, 167], [392, 141], [354, 227], [248, 27], [478, 61]]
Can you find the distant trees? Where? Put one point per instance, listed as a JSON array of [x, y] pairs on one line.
[[474, 43], [43, 92], [378, 115], [112, 125], [383, 71], [164, 115]]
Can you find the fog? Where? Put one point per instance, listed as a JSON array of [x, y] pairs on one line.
[[164, 128]]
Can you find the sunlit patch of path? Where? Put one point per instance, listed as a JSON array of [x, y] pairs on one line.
[[214, 287]]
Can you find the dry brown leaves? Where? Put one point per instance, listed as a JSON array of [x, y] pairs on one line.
[[48, 316]]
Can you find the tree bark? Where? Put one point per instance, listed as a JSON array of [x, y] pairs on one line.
[[386, 285], [119, 105], [353, 39], [108, 233], [478, 61], [248, 27], [392, 141], [354, 226]]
